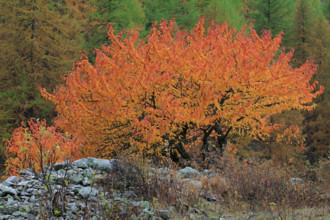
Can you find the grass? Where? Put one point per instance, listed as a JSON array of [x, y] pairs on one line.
[[255, 191]]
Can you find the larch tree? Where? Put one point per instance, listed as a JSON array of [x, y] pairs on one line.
[[79, 9], [123, 14], [220, 11], [189, 15], [303, 23], [318, 121], [164, 94], [37, 45], [275, 15], [186, 13], [326, 8]]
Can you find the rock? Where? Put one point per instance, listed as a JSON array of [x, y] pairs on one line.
[[129, 194], [164, 173], [73, 207], [63, 165], [11, 181], [28, 198], [23, 183], [209, 173], [144, 204], [87, 191], [208, 196], [251, 214], [82, 163], [188, 172], [8, 210], [19, 213], [86, 181], [165, 214], [4, 217], [105, 165], [4, 190], [145, 214], [296, 181], [194, 210], [26, 172], [77, 179], [101, 164]]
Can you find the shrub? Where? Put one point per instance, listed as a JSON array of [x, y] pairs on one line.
[[37, 145]]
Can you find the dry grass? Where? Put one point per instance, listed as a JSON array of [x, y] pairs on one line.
[[242, 191]]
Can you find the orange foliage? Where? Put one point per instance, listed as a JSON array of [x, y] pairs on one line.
[[147, 96], [38, 145]]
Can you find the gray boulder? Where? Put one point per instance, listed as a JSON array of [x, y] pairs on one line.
[[11, 181], [296, 181], [209, 173], [88, 191], [188, 172], [26, 172], [4, 190], [81, 163], [165, 214], [104, 164], [59, 166], [100, 164]]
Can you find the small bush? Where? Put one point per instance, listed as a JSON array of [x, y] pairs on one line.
[[37, 145]]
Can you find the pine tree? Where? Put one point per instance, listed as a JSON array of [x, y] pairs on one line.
[[78, 9], [185, 12], [303, 24], [228, 11], [189, 15], [275, 15], [37, 45], [121, 14], [326, 8], [157, 10], [318, 47], [310, 36], [318, 122]]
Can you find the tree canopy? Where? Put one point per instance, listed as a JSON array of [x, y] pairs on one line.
[[162, 94]]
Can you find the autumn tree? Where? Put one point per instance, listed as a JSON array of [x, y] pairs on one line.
[[37, 46], [164, 94]]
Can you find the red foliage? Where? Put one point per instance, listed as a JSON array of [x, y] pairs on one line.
[[37, 145], [151, 95]]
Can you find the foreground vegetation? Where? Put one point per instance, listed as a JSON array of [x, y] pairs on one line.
[[135, 188]]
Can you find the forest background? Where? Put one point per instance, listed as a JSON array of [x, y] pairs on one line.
[[41, 39]]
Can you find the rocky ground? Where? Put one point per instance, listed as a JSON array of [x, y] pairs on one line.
[[73, 191], [106, 189]]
